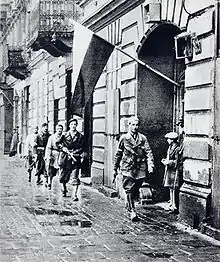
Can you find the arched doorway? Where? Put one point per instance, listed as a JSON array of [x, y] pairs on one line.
[[158, 101]]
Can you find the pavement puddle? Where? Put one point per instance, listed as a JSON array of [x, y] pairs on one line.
[[121, 232], [72, 222], [62, 217], [50, 211], [157, 254]]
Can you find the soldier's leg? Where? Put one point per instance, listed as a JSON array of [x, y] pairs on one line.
[[172, 201], [51, 173], [75, 181], [29, 167], [64, 179], [45, 173], [136, 189], [129, 186], [38, 171], [29, 175], [40, 168]]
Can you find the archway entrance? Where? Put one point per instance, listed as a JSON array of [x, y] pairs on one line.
[[158, 101]]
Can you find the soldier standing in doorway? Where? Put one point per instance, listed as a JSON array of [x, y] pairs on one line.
[[72, 148], [29, 154], [41, 142], [135, 160], [171, 175]]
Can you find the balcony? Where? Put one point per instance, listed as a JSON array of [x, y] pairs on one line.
[[49, 28], [15, 63]]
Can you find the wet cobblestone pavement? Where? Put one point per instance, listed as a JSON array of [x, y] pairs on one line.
[[41, 225]]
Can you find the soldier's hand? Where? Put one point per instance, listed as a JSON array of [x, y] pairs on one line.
[[164, 161], [64, 149]]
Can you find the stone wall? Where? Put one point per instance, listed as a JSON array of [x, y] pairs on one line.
[[196, 190]]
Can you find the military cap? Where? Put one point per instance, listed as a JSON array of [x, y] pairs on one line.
[[73, 120], [171, 135], [133, 119]]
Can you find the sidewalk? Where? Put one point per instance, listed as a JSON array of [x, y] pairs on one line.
[[39, 225]]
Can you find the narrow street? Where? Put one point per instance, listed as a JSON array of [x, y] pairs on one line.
[[39, 225]]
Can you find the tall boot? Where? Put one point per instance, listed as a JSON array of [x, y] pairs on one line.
[[131, 204], [74, 193], [64, 189], [128, 205], [29, 175], [39, 181], [50, 183]]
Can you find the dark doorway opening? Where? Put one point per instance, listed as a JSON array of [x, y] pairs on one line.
[[157, 105]]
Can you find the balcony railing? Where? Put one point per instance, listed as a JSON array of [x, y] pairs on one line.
[[16, 62], [49, 19]]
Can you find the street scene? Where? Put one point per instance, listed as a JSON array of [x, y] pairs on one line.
[[110, 130], [39, 226]]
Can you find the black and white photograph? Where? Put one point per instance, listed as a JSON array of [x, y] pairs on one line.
[[110, 130]]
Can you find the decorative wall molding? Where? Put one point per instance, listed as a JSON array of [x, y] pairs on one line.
[[109, 13]]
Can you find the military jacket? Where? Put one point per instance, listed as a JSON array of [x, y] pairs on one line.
[[52, 149], [134, 156], [41, 142], [30, 143], [75, 146]]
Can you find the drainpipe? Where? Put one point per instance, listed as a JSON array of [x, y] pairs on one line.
[[216, 53]]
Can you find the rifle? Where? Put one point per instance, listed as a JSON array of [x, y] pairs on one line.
[[71, 154]]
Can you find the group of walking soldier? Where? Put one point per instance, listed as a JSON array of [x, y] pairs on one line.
[[60, 154], [57, 154]]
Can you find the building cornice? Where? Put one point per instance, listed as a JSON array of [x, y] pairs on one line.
[[108, 13]]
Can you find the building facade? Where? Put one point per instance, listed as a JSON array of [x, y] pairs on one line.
[[179, 39]]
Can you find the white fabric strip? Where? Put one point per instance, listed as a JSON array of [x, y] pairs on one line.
[[81, 40]]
